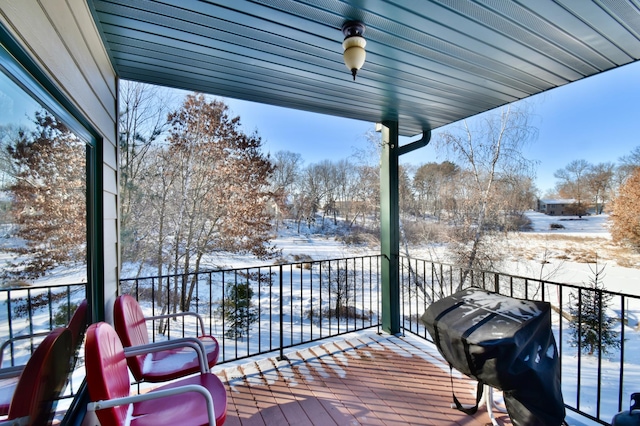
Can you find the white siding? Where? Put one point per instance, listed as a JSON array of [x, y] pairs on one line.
[[62, 38]]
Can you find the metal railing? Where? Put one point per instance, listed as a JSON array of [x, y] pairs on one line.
[[594, 383], [256, 310], [30, 313]]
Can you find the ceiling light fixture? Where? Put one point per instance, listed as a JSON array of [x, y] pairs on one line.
[[353, 44]]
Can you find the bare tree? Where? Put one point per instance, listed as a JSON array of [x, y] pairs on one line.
[[628, 163], [488, 151], [150, 231], [345, 174], [142, 120], [366, 187], [574, 183], [326, 177], [286, 174], [313, 193], [600, 184], [366, 193], [406, 197]]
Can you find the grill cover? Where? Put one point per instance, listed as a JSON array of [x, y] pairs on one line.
[[506, 343]]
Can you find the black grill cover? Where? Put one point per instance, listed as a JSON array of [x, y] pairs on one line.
[[506, 343]]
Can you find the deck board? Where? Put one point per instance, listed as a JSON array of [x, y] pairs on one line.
[[362, 379]]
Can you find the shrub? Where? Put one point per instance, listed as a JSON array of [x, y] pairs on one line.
[[624, 215]]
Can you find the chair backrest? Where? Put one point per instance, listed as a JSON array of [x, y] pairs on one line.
[[43, 379], [78, 324], [107, 374], [132, 328]]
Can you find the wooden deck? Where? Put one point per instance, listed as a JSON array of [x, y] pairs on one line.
[[362, 379]]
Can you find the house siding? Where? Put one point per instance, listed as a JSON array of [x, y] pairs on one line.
[[554, 207], [61, 38]]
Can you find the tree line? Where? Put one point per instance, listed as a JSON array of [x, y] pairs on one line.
[[193, 183], [605, 187]]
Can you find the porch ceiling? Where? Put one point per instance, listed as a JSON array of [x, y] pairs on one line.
[[429, 63]]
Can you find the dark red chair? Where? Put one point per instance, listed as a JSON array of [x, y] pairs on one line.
[[78, 325], [42, 380], [9, 376], [130, 324], [196, 400]]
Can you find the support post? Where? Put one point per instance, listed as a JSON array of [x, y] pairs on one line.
[[390, 221], [389, 228]]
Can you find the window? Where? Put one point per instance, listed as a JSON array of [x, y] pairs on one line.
[[46, 208]]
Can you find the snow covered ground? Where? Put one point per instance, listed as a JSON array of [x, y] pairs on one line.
[[566, 254], [562, 255]]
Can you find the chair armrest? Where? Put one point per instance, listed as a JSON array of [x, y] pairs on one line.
[[180, 314], [9, 372], [186, 342], [20, 421], [6, 343], [99, 405]]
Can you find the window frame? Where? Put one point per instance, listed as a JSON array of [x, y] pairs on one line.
[[18, 65]]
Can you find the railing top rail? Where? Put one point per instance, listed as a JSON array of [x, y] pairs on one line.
[[566, 285], [275, 265], [40, 287]]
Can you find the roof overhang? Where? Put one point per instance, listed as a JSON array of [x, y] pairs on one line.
[[429, 63]]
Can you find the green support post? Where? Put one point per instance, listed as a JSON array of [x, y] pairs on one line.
[[389, 229], [390, 221]]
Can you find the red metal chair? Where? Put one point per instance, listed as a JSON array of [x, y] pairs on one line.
[[42, 380], [130, 324], [78, 325], [196, 400], [9, 376]]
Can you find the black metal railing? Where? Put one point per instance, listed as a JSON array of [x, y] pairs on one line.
[[30, 313], [594, 383], [256, 310]]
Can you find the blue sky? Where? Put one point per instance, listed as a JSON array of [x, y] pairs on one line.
[[596, 119]]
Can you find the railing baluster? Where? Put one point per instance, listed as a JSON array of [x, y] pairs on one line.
[[311, 316], [320, 297], [579, 347], [623, 323], [301, 299], [281, 315], [599, 385], [210, 313]]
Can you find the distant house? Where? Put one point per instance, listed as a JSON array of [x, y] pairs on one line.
[[557, 207]]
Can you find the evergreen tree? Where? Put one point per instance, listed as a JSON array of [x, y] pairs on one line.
[[591, 328], [239, 310]]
